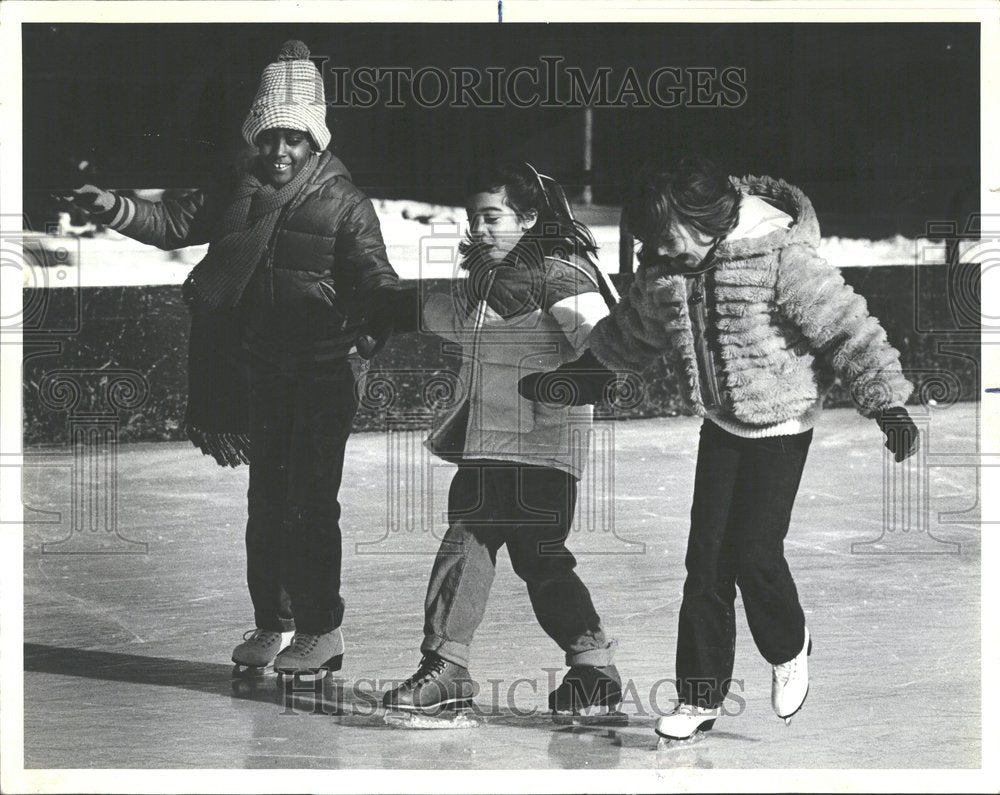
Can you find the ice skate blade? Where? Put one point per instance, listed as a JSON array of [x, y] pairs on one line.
[[444, 719], [597, 718], [704, 726], [675, 743], [244, 671], [304, 677], [312, 675]]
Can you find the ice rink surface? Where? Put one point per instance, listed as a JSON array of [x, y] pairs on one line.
[[127, 655]]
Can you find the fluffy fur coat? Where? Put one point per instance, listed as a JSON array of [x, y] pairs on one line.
[[786, 325]]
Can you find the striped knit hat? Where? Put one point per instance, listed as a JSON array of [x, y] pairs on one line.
[[291, 96]]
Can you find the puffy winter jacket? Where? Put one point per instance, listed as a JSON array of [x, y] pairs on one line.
[[327, 258], [782, 326], [534, 316]]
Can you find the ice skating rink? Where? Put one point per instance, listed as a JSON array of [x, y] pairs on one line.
[[126, 656]]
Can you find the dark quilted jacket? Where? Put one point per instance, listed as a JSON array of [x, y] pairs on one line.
[[328, 255]]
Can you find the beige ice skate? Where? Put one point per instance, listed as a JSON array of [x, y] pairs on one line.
[[310, 658], [258, 650]]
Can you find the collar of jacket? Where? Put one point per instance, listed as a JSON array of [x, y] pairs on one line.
[[511, 286], [329, 167], [804, 228], [527, 253]]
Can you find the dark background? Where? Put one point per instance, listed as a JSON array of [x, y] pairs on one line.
[[878, 123]]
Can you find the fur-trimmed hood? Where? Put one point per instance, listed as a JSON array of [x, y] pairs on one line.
[[787, 198]]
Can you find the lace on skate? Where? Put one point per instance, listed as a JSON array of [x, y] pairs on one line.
[[258, 636], [431, 667], [784, 672], [302, 643]]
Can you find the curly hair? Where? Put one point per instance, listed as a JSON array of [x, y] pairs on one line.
[[693, 190]]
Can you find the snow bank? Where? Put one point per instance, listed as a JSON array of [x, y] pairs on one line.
[[421, 240]]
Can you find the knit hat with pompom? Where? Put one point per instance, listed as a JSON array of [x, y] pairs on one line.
[[290, 95]]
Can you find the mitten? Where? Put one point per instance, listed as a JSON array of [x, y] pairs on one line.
[[901, 436], [91, 199], [575, 383]]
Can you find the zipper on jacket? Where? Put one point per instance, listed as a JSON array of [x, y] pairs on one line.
[[269, 255], [698, 287], [480, 320]]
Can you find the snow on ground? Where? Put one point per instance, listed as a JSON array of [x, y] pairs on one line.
[[422, 241]]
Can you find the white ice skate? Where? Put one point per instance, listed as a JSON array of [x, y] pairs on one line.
[[686, 724], [258, 650], [310, 658], [790, 683]]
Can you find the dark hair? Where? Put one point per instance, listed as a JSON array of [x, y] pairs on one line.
[[555, 230], [693, 189]]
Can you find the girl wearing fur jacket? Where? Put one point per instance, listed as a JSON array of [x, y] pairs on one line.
[[757, 326], [532, 294]]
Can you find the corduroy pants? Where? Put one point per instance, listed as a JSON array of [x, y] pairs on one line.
[[743, 495], [299, 425]]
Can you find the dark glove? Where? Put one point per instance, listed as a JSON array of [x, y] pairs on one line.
[[92, 199], [901, 437], [368, 346], [393, 308], [390, 309], [575, 383]]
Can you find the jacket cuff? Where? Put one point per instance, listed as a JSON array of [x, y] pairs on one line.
[[378, 281], [120, 215]]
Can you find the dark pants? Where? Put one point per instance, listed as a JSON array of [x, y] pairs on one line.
[[743, 495], [299, 425], [530, 509]]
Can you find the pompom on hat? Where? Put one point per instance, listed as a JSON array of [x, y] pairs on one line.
[[290, 95]]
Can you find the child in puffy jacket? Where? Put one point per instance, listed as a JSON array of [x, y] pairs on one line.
[[532, 294], [757, 326], [295, 259]]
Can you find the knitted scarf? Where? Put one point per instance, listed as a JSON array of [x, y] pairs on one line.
[[217, 414], [247, 226]]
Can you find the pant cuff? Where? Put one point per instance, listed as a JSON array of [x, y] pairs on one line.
[[599, 658], [318, 622], [450, 650], [273, 624]]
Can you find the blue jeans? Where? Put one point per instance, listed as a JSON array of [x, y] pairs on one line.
[[744, 490], [530, 509], [299, 425]]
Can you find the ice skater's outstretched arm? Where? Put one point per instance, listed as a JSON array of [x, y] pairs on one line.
[[170, 224]]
